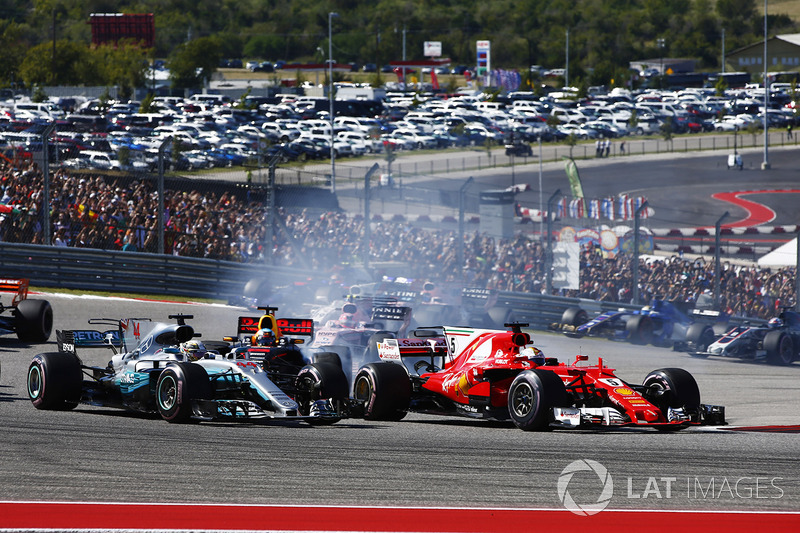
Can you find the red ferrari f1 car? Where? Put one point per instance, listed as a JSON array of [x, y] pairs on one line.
[[498, 374]]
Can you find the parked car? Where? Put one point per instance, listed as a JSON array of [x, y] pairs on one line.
[[519, 149]]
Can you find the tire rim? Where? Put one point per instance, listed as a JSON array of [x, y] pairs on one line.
[[167, 393], [362, 389], [34, 382], [522, 400]]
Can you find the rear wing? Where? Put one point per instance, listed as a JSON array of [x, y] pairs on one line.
[[70, 340], [19, 286], [708, 314], [396, 349], [478, 297], [249, 325], [390, 312], [402, 295]]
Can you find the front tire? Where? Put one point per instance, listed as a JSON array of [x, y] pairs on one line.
[[35, 320], [320, 381], [384, 389], [532, 396], [672, 387], [55, 381], [178, 385]]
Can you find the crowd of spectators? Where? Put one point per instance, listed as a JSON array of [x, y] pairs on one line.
[[120, 214]]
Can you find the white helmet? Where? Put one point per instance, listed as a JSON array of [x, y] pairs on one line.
[[533, 354]]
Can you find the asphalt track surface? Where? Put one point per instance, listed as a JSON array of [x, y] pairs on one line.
[[680, 187], [100, 455]]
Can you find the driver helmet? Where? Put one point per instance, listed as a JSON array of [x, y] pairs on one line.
[[264, 337], [775, 323], [348, 320], [533, 354], [194, 350]]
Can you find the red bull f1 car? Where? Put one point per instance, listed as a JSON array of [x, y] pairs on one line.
[[500, 375], [161, 368]]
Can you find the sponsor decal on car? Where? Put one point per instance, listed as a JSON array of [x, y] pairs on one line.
[[389, 350]]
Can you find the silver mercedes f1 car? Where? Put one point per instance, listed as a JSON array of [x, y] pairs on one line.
[[161, 368]]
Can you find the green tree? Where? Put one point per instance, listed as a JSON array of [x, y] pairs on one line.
[[571, 141], [71, 66], [633, 120], [124, 65], [13, 46], [193, 63], [666, 129], [147, 104], [720, 87]]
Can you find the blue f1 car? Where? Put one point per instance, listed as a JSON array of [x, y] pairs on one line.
[[661, 324]]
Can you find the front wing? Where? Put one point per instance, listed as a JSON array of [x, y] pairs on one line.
[[582, 417]]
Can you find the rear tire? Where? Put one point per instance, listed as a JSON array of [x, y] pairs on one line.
[[371, 353], [532, 396], [700, 336], [178, 385], [34, 320], [779, 347], [499, 316], [574, 316], [640, 329], [384, 389], [331, 358], [55, 381]]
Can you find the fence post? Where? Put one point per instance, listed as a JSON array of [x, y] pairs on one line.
[[160, 214]]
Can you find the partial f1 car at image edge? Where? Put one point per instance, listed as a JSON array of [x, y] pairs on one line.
[[30, 319], [500, 375]]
